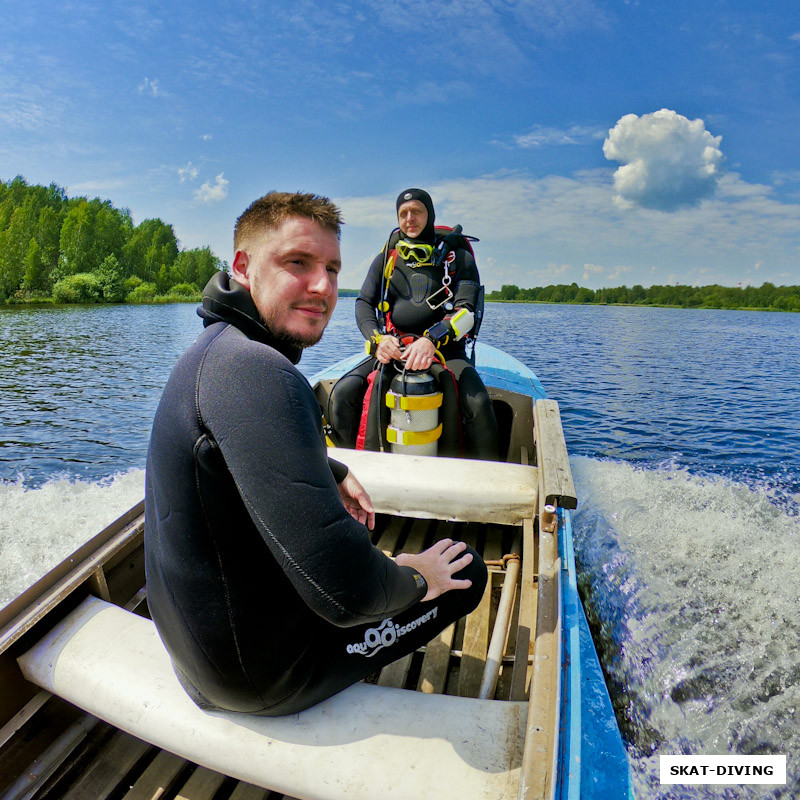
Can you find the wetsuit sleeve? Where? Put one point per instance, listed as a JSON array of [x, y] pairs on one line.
[[338, 469], [369, 297], [263, 416], [468, 282]]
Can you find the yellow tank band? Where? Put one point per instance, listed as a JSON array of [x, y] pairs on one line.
[[414, 403], [396, 436]]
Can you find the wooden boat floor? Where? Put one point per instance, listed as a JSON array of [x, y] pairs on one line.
[[454, 662], [60, 753]]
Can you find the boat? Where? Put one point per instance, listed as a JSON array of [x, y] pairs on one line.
[[510, 702]]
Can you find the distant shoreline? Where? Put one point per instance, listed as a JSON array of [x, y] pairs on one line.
[[640, 305], [766, 297], [491, 297]]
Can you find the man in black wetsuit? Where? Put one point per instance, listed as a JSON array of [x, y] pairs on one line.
[[436, 303], [262, 579]]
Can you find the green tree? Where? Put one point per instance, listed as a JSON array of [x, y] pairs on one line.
[[509, 291], [112, 228], [49, 238], [151, 245], [13, 248], [34, 273], [195, 266], [77, 241], [112, 281]]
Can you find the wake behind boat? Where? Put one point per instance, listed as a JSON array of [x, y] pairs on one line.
[[509, 702]]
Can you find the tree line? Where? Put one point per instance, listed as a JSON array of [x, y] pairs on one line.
[[764, 297], [62, 249]]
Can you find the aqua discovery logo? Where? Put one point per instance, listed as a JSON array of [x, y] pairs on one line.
[[387, 634]]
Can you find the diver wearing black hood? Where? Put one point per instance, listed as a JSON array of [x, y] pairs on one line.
[[422, 298]]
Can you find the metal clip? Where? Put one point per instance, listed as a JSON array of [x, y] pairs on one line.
[[448, 296]]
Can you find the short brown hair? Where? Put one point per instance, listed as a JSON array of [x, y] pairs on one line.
[[274, 208]]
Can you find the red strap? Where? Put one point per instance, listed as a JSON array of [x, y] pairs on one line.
[[362, 424]]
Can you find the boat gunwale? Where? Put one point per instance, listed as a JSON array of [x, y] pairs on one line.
[[90, 559]]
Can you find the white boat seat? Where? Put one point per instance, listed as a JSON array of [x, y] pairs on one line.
[[365, 742], [457, 489]]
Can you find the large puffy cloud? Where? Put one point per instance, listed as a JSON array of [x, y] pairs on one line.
[[668, 161]]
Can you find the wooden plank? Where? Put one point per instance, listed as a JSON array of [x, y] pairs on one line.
[[477, 624], [203, 785], [476, 642], [109, 768], [395, 674], [22, 716], [388, 541], [43, 738], [416, 537], [158, 778], [539, 769], [246, 791], [433, 676], [552, 458], [526, 626]]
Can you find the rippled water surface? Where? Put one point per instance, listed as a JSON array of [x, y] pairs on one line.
[[684, 427]]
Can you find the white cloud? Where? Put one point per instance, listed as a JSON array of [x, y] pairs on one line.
[[795, 37], [97, 187], [148, 86], [213, 193], [17, 112], [540, 135], [206, 137], [618, 272], [189, 171], [669, 162], [591, 269], [781, 177]]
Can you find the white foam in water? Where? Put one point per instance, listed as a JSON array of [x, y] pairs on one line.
[[696, 580], [40, 527]]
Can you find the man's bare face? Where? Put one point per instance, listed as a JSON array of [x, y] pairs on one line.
[[292, 273], [412, 218]]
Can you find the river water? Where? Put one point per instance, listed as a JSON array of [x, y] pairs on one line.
[[684, 431]]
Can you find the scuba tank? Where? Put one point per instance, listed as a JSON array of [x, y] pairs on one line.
[[414, 428]]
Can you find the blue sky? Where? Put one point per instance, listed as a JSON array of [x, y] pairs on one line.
[[597, 141]]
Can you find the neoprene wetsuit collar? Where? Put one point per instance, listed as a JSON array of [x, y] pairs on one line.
[[225, 300]]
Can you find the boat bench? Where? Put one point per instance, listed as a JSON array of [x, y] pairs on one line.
[[456, 489], [366, 742]]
